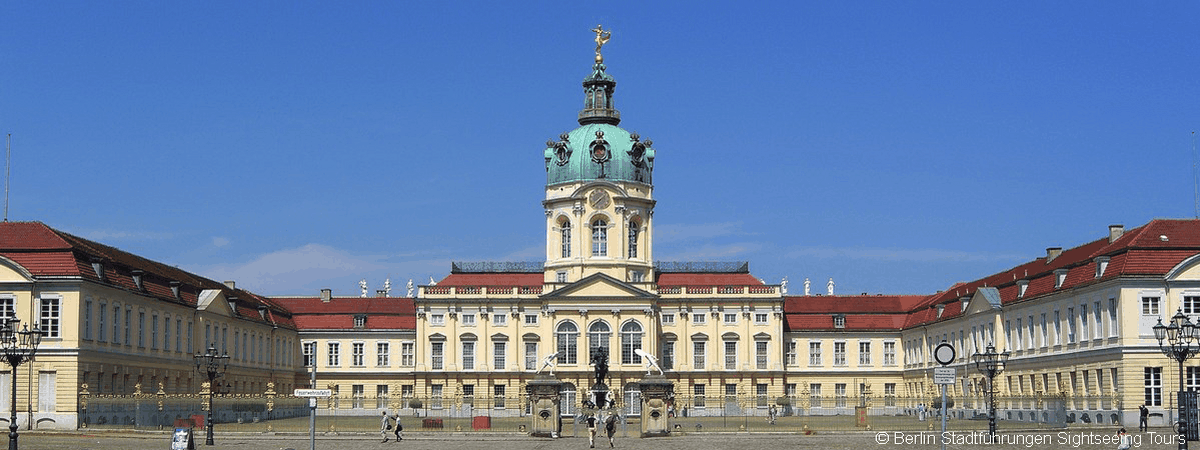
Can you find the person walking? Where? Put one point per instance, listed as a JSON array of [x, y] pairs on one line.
[[399, 430], [591, 425], [610, 427], [385, 426], [1143, 418]]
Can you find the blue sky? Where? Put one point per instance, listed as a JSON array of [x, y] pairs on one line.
[[897, 147]]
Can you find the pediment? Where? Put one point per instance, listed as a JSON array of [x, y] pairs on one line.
[[10, 271], [214, 301], [599, 286], [985, 299]]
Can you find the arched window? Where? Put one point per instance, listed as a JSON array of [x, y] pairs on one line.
[[565, 237], [598, 336], [631, 338], [567, 338], [633, 239], [600, 238]]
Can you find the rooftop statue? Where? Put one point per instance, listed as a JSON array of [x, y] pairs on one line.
[[601, 39]]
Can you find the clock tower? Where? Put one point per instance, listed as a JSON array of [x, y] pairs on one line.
[[599, 192]]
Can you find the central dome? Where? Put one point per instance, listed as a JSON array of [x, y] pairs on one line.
[[599, 151]]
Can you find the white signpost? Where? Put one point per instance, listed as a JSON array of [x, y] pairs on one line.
[[313, 393], [944, 355]]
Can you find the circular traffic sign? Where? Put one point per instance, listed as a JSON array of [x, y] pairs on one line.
[[943, 353]]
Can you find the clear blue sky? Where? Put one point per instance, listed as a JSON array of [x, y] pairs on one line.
[[897, 147]]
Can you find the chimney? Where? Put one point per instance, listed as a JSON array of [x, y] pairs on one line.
[[1115, 232], [326, 295], [1052, 253], [231, 284]]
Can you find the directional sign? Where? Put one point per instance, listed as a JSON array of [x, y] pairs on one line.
[[943, 375], [313, 393]]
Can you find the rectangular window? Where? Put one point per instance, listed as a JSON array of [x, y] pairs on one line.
[[383, 354], [8, 309], [1045, 340], [1153, 386], [668, 319], [698, 355], [498, 395], [357, 353], [356, 396], [468, 392], [360, 321], [87, 319], [1193, 379], [561, 276], [789, 353], [814, 393], [154, 332], [408, 355], [381, 396], [435, 355], [437, 319], [1057, 328], [698, 318], [1071, 325], [839, 353], [178, 335], [141, 329], [839, 394], [468, 355], [760, 354], [1020, 335], [889, 353], [1113, 325], [668, 355], [889, 394], [599, 238], [814, 353], [468, 320], [864, 353], [500, 319], [435, 391], [116, 324], [335, 357], [1191, 305], [698, 395], [103, 313], [1097, 322], [760, 393], [839, 321], [167, 333], [760, 318], [498, 361], [531, 319], [128, 324], [1150, 306], [730, 318], [51, 317], [730, 355], [1084, 323], [531, 356]]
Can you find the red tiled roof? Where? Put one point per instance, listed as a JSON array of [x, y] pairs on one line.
[[46, 252], [851, 303], [492, 279], [383, 313], [707, 279], [854, 322]]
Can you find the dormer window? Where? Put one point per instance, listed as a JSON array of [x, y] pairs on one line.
[[1101, 265], [138, 275], [175, 289], [98, 267], [1060, 275], [1022, 285], [839, 321], [360, 321]]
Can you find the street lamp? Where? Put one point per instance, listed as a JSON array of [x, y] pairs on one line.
[[18, 347], [1179, 338], [213, 365], [991, 364]]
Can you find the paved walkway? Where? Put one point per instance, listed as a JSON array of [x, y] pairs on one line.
[[1072, 439]]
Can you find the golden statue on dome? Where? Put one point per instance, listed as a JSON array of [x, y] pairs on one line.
[[602, 37]]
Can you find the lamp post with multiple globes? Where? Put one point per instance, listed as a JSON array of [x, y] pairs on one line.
[[18, 346], [990, 364], [1178, 342], [214, 366]]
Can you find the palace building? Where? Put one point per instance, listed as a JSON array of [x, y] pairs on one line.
[[1077, 323]]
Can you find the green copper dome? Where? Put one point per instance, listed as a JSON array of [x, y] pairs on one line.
[[599, 149]]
